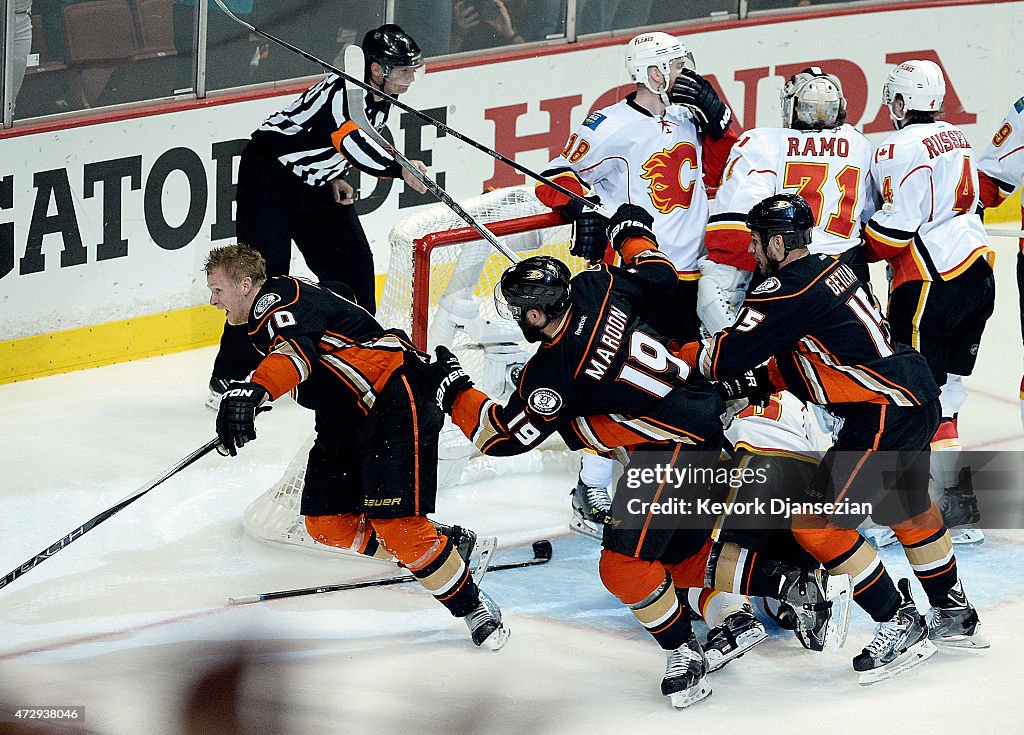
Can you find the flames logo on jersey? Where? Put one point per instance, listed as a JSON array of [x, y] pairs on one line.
[[667, 170]]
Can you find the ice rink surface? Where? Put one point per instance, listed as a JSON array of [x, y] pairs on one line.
[[125, 619]]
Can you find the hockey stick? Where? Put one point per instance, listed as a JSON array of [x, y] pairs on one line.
[[356, 78], [98, 519], [355, 98], [1004, 233], [541, 555]]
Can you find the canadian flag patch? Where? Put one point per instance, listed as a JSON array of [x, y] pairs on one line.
[[885, 152]]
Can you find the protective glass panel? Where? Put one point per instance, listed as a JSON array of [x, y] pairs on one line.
[[320, 27], [96, 53], [452, 26], [601, 16]]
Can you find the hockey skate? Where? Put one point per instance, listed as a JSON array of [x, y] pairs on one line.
[[485, 626], [955, 623], [686, 675], [959, 508], [818, 607], [879, 536], [899, 644], [740, 632], [591, 509], [475, 550]]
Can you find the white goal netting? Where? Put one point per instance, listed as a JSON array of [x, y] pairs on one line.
[[441, 277]]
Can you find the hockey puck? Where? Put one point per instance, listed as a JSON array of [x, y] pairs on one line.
[[542, 549]]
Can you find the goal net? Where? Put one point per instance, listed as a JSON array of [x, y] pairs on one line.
[[439, 289]]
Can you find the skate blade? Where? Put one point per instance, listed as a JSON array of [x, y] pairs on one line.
[[497, 639], [746, 641], [839, 591], [975, 641], [682, 700], [966, 535], [480, 557], [584, 528], [916, 654]]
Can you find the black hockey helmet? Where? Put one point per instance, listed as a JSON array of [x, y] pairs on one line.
[[540, 282], [390, 46], [788, 215]]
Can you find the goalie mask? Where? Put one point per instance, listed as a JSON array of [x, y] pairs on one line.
[[919, 83], [813, 100], [658, 50], [390, 47], [786, 215], [540, 282]]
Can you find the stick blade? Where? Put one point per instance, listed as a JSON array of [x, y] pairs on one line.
[[542, 549]]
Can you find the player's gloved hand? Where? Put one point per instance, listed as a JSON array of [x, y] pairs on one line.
[[696, 92], [574, 209], [591, 238], [446, 378], [629, 221], [236, 417], [753, 384]]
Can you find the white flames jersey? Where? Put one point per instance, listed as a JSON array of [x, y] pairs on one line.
[[829, 168], [625, 154], [1003, 160], [927, 227], [782, 427]]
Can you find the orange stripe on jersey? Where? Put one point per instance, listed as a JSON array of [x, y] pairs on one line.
[[782, 297], [554, 198], [597, 323], [277, 374], [613, 434], [654, 501], [688, 353], [466, 410], [375, 365], [415, 444], [634, 246], [282, 305], [341, 133]]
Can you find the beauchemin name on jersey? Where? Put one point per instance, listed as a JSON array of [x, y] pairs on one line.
[[824, 337], [606, 380], [828, 168], [328, 349], [626, 154], [927, 227]]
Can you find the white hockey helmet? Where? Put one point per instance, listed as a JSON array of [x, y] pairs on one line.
[[655, 49], [813, 100], [920, 83]]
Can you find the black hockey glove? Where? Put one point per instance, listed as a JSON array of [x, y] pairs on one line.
[[574, 209], [754, 385], [629, 221], [591, 240], [446, 378], [236, 418], [694, 91]]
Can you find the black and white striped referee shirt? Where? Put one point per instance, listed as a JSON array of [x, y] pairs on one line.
[[315, 139]]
